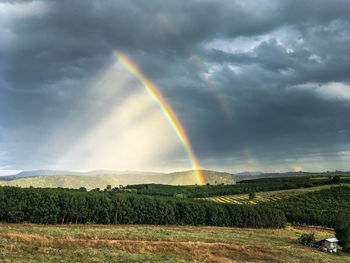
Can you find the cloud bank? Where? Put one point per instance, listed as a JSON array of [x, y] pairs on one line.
[[257, 87]]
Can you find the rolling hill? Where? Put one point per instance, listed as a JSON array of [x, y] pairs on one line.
[[101, 181], [267, 196], [35, 173]]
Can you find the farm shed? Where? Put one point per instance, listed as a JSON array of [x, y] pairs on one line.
[[329, 244]]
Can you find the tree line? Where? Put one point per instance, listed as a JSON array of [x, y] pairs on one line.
[[243, 187], [61, 206]]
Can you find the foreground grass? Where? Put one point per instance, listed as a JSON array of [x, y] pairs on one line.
[[125, 243], [267, 196]]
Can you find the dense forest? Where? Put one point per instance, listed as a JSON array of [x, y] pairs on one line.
[[243, 187], [52, 206]]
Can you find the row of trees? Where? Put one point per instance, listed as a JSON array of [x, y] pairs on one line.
[[315, 208], [245, 187], [52, 206]]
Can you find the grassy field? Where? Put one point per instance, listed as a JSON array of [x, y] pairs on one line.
[[135, 243], [266, 196]]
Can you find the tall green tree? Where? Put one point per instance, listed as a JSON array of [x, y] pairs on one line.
[[342, 231]]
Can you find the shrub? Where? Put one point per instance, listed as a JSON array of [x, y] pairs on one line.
[[307, 239]]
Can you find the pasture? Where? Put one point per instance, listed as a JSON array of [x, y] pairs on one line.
[[145, 243]]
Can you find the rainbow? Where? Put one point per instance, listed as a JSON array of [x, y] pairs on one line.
[[200, 65], [211, 83], [167, 110]]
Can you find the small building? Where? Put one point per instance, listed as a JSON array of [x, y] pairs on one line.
[[328, 244]]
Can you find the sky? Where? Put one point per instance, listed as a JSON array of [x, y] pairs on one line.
[[257, 86]]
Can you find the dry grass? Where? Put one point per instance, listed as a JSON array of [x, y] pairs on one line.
[[37, 243]]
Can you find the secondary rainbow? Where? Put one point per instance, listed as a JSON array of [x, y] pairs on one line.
[[167, 110], [200, 65], [220, 96]]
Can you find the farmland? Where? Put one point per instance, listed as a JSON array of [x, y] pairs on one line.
[[163, 223], [145, 243], [242, 187], [294, 199], [267, 196]]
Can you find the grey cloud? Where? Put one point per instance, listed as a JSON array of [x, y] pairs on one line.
[[54, 56]]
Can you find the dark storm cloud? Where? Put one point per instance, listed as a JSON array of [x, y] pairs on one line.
[[56, 48]]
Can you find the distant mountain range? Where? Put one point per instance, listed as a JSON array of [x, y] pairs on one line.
[[35, 173], [248, 173], [102, 178]]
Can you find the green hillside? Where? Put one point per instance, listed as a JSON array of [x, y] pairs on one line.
[[267, 196]]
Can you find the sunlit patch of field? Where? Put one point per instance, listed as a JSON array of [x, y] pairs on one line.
[[265, 196], [136, 243]]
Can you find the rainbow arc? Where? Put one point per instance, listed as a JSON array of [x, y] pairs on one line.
[[167, 110]]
